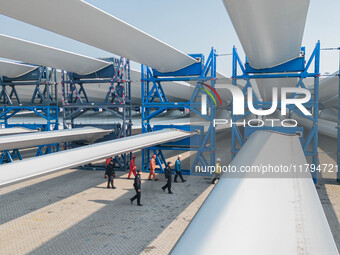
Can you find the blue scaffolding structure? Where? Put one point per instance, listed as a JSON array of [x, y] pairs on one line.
[[296, 68], [338, 133], [117, 101], [338, 126], [155, 102], [43, 104]]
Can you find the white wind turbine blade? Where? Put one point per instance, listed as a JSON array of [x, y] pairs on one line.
[[83, 22]]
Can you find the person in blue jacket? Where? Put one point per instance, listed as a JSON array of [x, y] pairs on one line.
[[178, 169]]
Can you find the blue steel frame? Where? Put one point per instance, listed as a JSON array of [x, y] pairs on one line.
[[43, 104], [338, 135], [338, 126], [117, 100], [155, 102], [301, 72]]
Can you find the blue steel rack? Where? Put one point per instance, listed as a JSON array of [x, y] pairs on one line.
[[338, 133], [155, 102], [117, 100], [338, 126], [43, 104], [296, 68]]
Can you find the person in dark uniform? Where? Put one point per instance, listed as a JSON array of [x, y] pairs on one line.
[[110, 173], [137, 185], [168, 178]]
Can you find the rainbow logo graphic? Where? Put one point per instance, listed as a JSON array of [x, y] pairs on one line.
[[210, 94], [204, 97]]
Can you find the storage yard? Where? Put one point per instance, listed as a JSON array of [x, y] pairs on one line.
[[120, 134]]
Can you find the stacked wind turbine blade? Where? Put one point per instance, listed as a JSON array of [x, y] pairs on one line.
[[330, 114], [90, 25], [259, 213], [14, 70], [29, 140], [328, 95], [270, 33], [38, 54], [28, 168], [265, 86], [325, 127]]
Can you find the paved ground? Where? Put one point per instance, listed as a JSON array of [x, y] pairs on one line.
[[72, 212], [327, 187]]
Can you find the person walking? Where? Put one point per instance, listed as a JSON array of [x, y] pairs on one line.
[[178, 169], [107, 161], [137, 185], [217, 173], [132, 166], [168, 178], [110, 174], [153, 168]]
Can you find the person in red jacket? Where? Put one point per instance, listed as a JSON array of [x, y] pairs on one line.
[[107, 161], [132, 166]]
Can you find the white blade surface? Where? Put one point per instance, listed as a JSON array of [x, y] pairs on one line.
[[19, 141], [270, 31], [15, 130], [325, 127], [330, 114], [38, 54], [329, 88], [71, 158], [14, 70], [265, 86], [85, 23], [259, 215]]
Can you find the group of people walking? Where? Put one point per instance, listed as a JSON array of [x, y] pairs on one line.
[[110, 174]]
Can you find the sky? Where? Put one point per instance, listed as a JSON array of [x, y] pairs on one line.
[[192, 26]]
